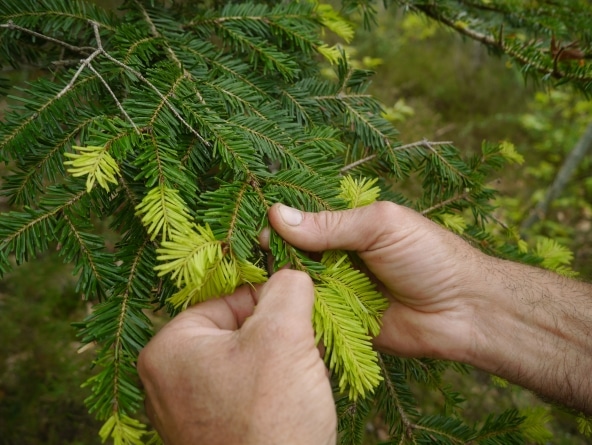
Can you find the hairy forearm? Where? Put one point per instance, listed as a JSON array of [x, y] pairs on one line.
[[534, 328]]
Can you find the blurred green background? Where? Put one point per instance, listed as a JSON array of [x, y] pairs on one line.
[[434, 85]]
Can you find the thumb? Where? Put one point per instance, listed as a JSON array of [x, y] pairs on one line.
[[357, 229], [286, 302]]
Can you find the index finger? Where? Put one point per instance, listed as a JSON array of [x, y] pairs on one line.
[[226, 313]]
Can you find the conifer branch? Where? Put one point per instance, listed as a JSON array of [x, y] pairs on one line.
[[444, 160], [323, 203], [22, 125], [343, 96], [101, 51], [146, 81], [84, 64], [159, 94], [302, 110], [176, 159], [226, 68], [41, 218], [135, 45], [267, 19], [77, 49], [498, 44], [118, 335], [253, 182], [234, 215], [408, 425], [83, 247], [155, 33], [344, 82], [165, 99], [422, 143], [117, 102], [133, 199], [286, 67], [41, 165], [442, 432], [460, 197], [226, 92]]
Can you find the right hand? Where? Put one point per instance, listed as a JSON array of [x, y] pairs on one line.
[[425, 271]]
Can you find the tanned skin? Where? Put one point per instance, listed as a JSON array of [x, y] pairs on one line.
[[447, 299]]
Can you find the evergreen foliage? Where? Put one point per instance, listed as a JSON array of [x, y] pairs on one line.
[[551, 41], [181, 125]]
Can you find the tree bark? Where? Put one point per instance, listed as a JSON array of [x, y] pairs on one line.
[[582, 148]]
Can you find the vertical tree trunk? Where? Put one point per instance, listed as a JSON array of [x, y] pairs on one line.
[[582, 148]]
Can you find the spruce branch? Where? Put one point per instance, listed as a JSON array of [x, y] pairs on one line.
[[393, 394], [344, 83], [157, 91], [135, 45], [127, 295], [24, 124], [84, 63], [43, 216], [156, 34], [101, 51], [86, 252], [117, 102], [77, 49], [23, 192], [462, 196], [226, 67], [422, 143], [498, 44], [219, 114]]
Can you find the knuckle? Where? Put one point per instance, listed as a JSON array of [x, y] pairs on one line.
[[384, 210], [295, 277]]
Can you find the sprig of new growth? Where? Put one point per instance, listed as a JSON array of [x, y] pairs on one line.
[[179, 131], [130, 148]]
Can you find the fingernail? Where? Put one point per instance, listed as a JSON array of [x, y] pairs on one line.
[[291, 217]]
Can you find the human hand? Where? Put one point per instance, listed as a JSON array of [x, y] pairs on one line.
[[242, 369], [424, 270], [449, 300]]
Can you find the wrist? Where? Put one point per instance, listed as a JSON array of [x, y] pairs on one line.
[[530, 327], [497, 328]]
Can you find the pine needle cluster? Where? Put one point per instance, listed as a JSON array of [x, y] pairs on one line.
[[179, 126]]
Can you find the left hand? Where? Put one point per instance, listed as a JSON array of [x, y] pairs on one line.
[[242, 369]]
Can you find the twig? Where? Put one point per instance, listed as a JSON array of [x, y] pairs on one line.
[[345, 81], [430, 147], [84, 64], [162, 97], [139, 75], [357, 163], [441, 204], [66, 62], [78, 49], [156, 34], [423, 143], [408, 425], [119, 105], [498, 44]]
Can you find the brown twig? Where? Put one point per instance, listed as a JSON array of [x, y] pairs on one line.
[[423, 143]]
